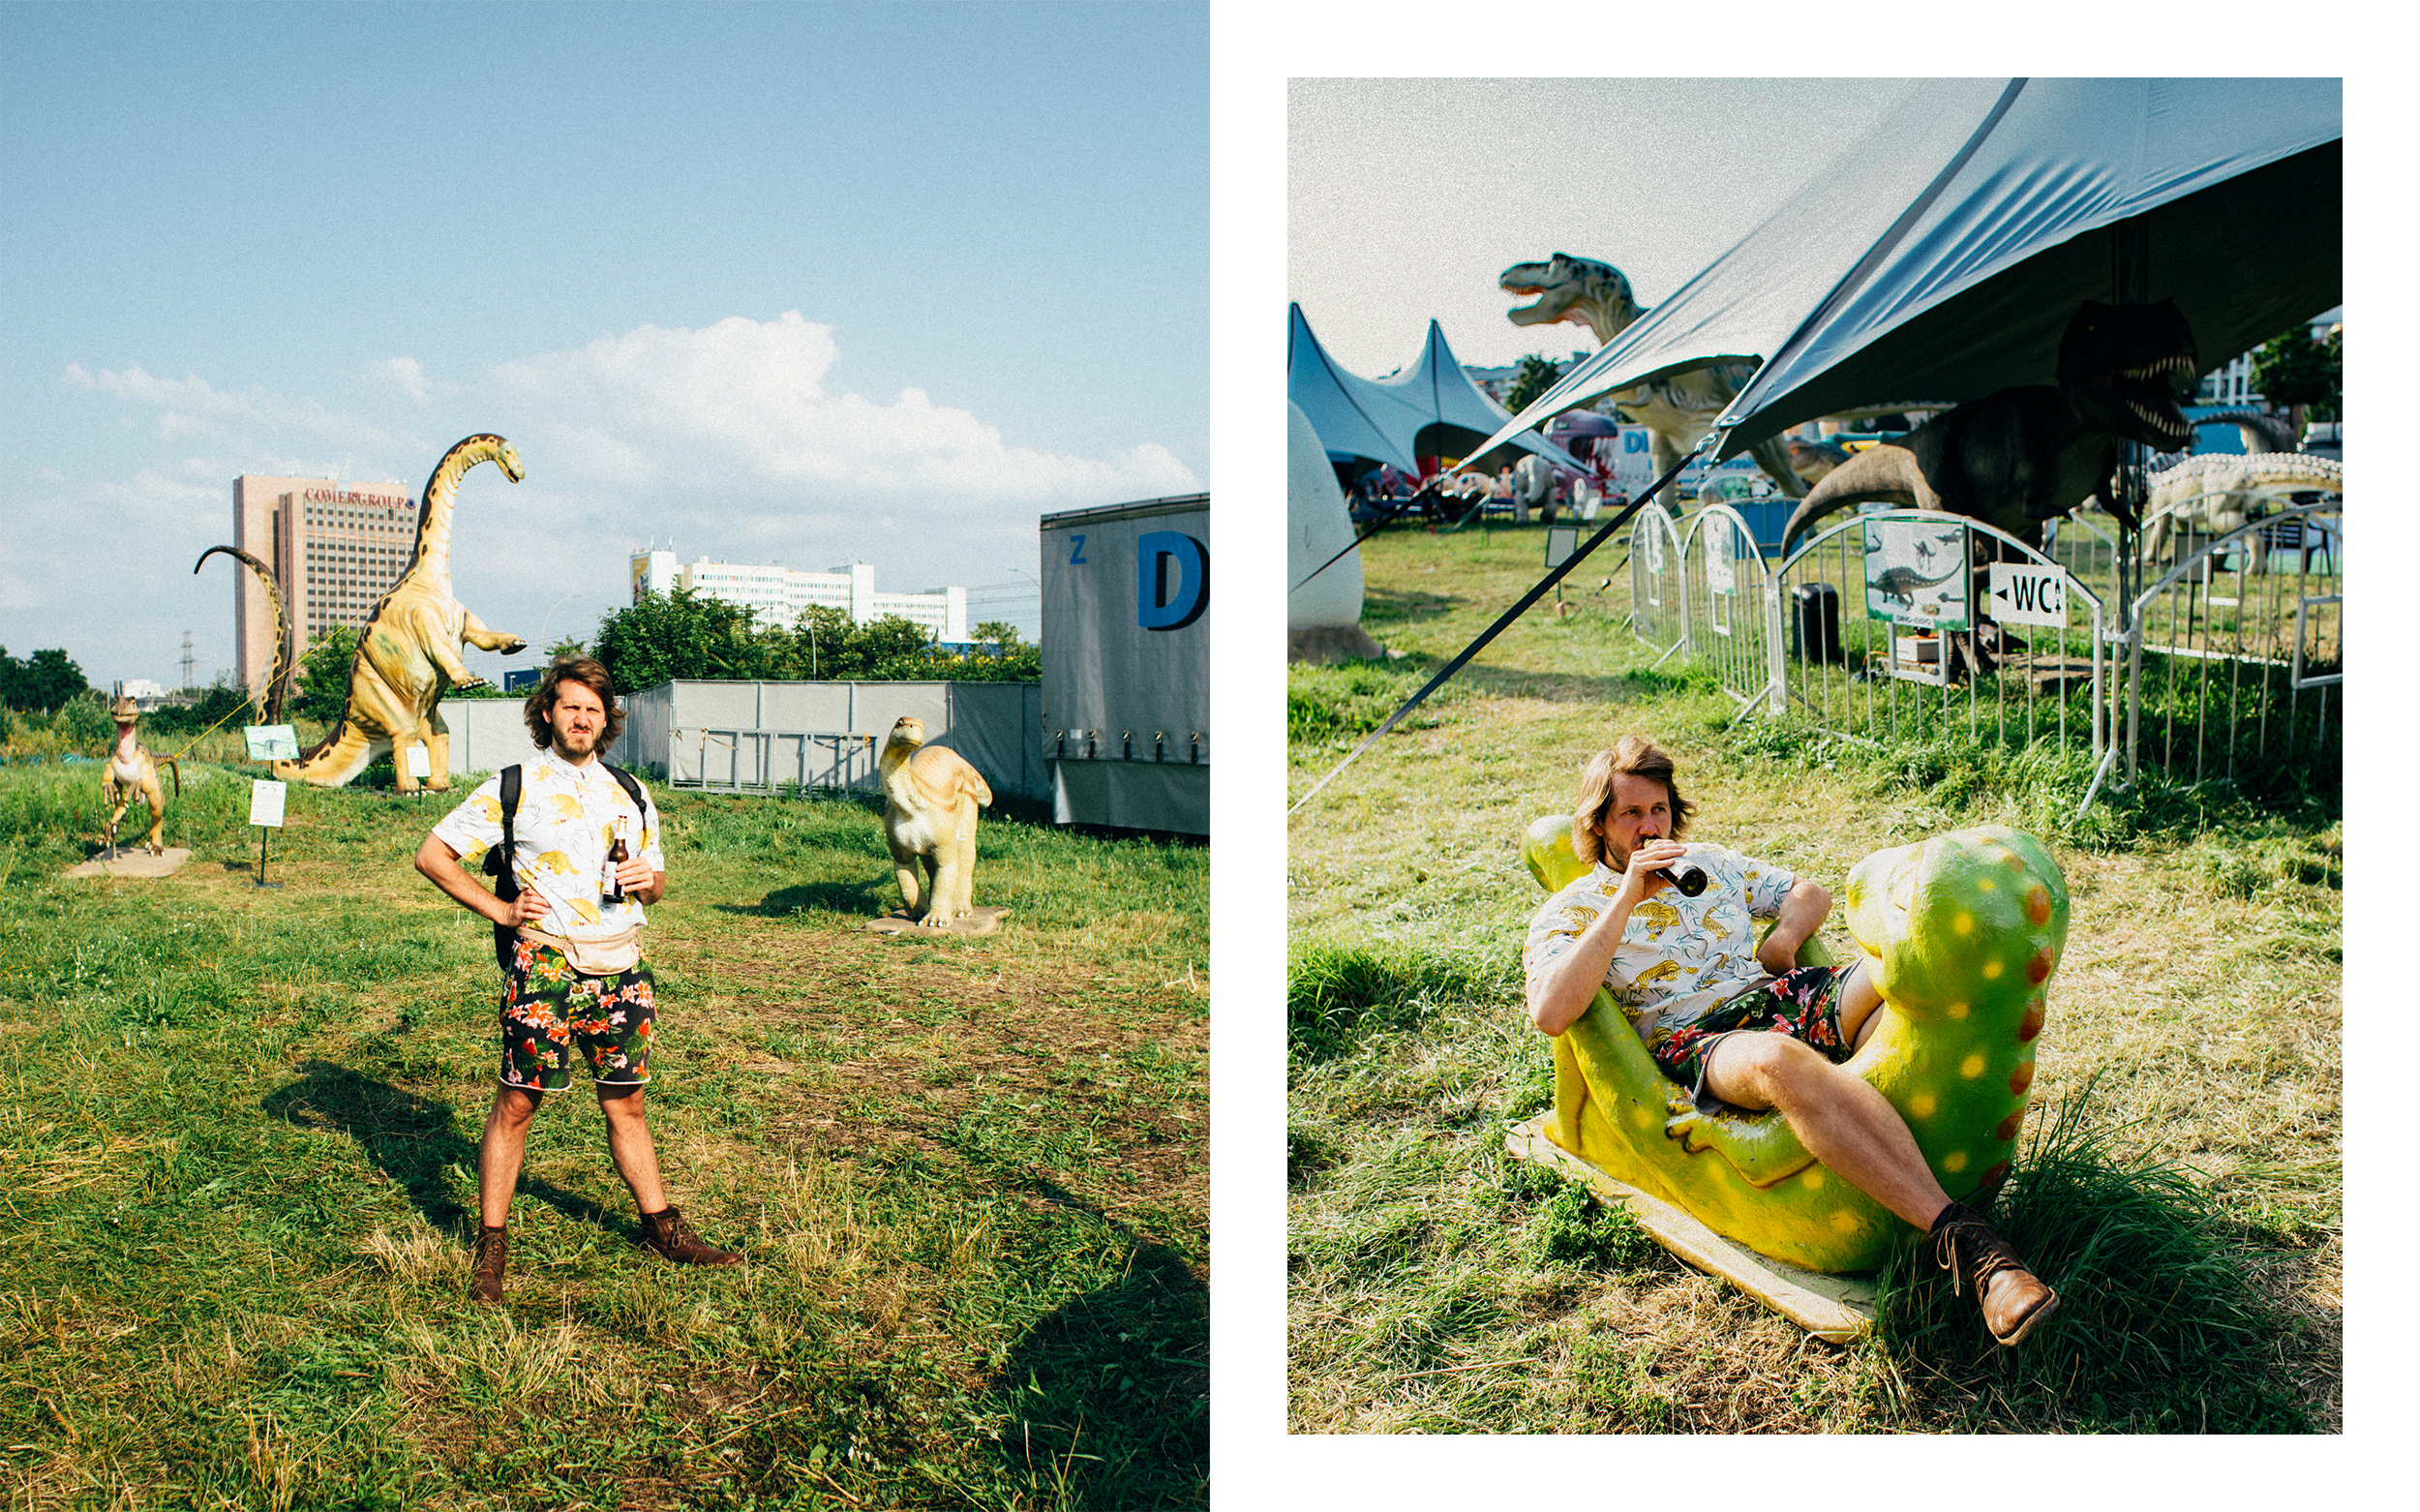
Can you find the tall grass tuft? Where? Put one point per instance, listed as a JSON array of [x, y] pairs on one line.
[[2161, 1329], [1337, 995]]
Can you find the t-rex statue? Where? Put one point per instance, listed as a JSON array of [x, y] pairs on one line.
[[281, 667], [2019, 457], [131, 770], [930, 794], [409, 657], [2219, 492], [1678, 408]]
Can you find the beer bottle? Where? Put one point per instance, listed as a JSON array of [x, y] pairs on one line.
[[613, 858]]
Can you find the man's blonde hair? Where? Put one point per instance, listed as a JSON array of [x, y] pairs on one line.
[[1634, 755]]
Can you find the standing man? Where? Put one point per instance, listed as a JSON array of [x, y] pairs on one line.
[[1738, 1023], [574, 974]]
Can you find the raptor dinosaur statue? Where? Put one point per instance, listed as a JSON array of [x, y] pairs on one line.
[[132, 770], [2025, 455], [1678, 408], [410, 654], [280, 668]]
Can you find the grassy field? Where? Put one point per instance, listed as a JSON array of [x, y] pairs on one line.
[[240, 1129], [2184, 1183]]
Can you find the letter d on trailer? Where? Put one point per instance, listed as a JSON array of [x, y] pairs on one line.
[[1125, 664]]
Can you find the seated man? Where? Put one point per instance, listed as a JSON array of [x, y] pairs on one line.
[[1739, 1025]]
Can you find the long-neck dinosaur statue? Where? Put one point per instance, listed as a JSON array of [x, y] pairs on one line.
[[2022, 456], [280, 666], [410, 654], [1678, 408]]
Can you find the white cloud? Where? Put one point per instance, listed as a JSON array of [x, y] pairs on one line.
[[189, 406], [406, 375], [744, 400]]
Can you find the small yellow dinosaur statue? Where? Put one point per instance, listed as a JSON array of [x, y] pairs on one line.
[[929, 798], [131, 770], [1961, 933], [410, 654]]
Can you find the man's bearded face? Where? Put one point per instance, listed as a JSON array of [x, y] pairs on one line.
[[577, 718], [1641, 810]]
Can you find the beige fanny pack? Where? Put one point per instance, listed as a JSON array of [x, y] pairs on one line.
[[605, 955]]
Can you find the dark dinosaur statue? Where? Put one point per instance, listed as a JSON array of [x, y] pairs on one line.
[[2022, 456]]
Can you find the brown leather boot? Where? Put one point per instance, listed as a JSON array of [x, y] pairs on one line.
[[487, 1267], [2014, 1300], [670, 1235]]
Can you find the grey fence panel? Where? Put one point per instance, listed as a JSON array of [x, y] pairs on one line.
[[787, 761], [755, 736], [483, 734], [645, 745], [1658, 581], [1727, 595], [2238, 653]]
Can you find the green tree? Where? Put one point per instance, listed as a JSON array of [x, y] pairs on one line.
[[218, 703], [41, 684], [1000, 633], [1535, 377], [681, 635], [566, 646], [2301, 372], [327, 669]]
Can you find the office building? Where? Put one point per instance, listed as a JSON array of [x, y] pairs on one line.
[[335, 548], [777, 594]]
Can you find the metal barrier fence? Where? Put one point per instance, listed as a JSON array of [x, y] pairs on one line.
[[1857, 656], [775, 761], [1729, 606], [1658, 596], [2231, 657], [2238, 651]]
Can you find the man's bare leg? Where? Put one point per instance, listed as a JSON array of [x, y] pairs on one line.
[[1840, 1118], [501, 1150], [632, 1147], [661, 1227], [1851, 1127]]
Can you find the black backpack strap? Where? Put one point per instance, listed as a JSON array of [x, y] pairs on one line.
[[631, 785], [499, 864]]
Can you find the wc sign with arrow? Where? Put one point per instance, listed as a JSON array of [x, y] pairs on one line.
[[2023, 593]]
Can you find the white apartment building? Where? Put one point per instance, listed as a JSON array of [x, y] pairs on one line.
[[779, 593]]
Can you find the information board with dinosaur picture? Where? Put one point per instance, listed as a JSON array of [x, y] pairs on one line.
[[1916, 572]]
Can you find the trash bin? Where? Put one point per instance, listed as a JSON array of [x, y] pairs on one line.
[[1815, 623]]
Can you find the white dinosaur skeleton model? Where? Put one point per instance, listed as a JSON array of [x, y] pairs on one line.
[[2216, 493]]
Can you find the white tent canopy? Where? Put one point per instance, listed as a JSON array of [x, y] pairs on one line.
[[1940, 259], [1382, 419]]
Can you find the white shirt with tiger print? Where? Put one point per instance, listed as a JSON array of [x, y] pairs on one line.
[[560, 833], [1678, 956]]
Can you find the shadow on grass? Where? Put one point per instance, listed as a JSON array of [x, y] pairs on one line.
[[1109, 1394], [413, 1140], [867, 899]]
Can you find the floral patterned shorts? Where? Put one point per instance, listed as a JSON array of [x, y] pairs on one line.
[[548, 1008], [1804, 1003]]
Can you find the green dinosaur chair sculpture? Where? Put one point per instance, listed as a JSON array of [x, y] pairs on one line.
[[1963, 932]]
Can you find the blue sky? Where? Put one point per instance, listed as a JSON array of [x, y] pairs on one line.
[[794, 283]]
